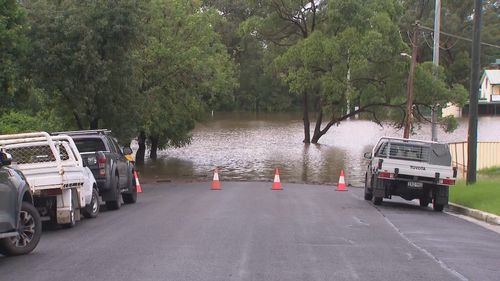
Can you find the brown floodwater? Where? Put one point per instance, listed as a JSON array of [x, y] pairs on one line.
[[249, 146]]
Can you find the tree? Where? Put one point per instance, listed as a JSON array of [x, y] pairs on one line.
[[184, 71], [13, 49], [81, 59]]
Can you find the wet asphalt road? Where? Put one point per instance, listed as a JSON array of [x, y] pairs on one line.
[[185, 231]]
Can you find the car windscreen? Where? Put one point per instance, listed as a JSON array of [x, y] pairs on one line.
[[90, 145]]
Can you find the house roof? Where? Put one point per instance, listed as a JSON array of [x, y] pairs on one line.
[[493, 76]]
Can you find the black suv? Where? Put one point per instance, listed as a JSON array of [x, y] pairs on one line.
[[20, 223], [112, 171]]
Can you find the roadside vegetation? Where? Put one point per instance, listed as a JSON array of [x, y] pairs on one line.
[[484, 195], [152, 69]]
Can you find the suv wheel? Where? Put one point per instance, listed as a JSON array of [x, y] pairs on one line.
[[116, 203], [131, 196], [30, 230]]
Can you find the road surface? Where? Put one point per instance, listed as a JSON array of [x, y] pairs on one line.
[[246, 231]]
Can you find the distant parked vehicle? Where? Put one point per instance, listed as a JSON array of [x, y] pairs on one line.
[[62, 187], [20, 223], [112, 170], [412, 169]]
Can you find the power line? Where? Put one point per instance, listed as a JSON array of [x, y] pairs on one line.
[[459, 37]]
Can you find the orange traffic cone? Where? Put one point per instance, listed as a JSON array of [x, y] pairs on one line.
[[277, 183], [216, 182], [137, 184], [341, 184]]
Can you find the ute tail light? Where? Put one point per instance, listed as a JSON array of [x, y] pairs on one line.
[[448, 181], [101, 163], [385, 175]]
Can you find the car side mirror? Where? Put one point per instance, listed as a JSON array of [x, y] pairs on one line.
[[127, 151], [5, 159], [368, 155]]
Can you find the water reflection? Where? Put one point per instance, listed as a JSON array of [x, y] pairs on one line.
[[250, 146]]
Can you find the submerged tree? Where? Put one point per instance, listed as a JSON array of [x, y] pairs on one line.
[[344, 55]]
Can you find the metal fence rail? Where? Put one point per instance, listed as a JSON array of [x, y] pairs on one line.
[[488, 155]]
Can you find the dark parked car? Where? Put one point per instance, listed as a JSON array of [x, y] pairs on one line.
[[114, 174], [20, 223]]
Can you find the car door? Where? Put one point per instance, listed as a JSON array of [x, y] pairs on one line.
[[121, 162], [8, 202]]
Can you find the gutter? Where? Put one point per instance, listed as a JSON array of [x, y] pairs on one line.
[[474, 213]]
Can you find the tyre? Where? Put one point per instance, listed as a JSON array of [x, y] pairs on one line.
[[377, 201], [92, 209], [131, 196], [116, 203], [368, 194], [424, 202], [30, 232], [438, 207]]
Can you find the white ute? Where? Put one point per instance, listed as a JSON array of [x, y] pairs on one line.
[[62, 187], [412, 169]]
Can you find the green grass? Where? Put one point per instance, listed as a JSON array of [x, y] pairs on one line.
[[493, 171], [484, 195]]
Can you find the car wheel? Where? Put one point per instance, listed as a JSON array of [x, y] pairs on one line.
[[424, 202], [438, 207], [30, 230], [368, 194], [117, 202], [92, 209], [131, 196], [377, 200]]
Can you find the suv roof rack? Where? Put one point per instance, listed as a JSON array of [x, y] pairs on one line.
[[84, 132]]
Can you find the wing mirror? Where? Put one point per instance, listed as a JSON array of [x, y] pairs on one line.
[[127, 150], [368, 155], [5, 159]]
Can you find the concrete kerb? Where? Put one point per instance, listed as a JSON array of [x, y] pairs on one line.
[[474, 213]]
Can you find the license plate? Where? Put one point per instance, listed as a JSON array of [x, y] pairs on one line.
[[415, 184]]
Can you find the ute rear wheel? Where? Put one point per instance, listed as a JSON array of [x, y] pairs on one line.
[[368, 193], [437, 207], [377, 201], [30, 230], [424, 202], [92, 209]]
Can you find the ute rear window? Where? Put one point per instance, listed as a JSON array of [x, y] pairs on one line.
[[436, 154], [90, 145]]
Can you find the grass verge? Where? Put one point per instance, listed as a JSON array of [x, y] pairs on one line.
[[484, 195]]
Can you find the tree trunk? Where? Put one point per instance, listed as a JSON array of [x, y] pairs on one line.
[[139, 156], [317, 129], [307, 133], [78, 121], [154, 147], [94, 124]]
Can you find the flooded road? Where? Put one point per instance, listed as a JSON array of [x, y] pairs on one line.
[[249, 146]]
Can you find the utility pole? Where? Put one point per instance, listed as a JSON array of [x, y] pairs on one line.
[[474, 88], [435, 60], [411, 78]]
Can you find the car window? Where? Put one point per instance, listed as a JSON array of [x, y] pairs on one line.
[[90, 145], [115, 146]]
